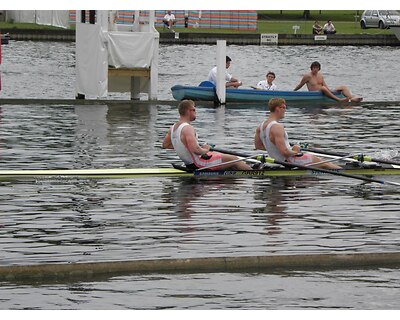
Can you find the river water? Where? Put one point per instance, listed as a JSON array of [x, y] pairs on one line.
[[80, 220]]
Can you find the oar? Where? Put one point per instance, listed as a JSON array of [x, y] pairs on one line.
[[333, 172], [329, 160], [234, 153], [359, 157]]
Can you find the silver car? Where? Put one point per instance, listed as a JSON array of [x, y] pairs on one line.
[[379, 18]]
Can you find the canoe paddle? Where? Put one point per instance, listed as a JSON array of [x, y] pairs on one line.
[[294, 166], [359, 157]]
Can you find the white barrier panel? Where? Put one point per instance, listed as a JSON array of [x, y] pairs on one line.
[[269, 38], [320, 38]]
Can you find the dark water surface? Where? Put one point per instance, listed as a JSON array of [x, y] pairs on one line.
[[47, 69], [80, 220]]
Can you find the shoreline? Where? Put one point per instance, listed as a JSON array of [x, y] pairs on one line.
[[231, 38]]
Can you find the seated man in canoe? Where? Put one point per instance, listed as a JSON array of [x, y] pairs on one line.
[[267, 84], [272, 137], [183, 138], [315, 82], [230, 80]]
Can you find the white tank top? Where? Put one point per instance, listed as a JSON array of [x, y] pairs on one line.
[[272, 150], [180, 149]]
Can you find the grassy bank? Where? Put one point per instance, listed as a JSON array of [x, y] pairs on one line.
[[269, 21]]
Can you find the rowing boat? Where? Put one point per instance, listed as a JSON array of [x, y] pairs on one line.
[[206, 92], [178, 171]]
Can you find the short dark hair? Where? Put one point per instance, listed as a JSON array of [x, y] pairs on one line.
[[271, 73], [315, 64], [228, 59]]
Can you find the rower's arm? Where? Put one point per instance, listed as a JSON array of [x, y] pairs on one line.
[[189, 140], [167, 143], [278, 134], [257, 140]]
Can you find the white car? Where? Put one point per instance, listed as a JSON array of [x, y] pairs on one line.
[[379, 18]]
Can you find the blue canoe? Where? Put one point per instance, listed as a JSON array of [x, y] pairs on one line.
[[206, 92]]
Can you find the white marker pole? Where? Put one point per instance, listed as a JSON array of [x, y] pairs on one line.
[[221, 69]]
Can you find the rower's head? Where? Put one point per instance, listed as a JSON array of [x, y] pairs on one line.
[[187, 108], [315, 65], [276, 105]]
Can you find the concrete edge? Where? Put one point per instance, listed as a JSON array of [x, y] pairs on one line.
[[67, 271]]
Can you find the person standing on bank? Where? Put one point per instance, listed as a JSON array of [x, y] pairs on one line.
[[183, 138], [230, 80], [272, 137]]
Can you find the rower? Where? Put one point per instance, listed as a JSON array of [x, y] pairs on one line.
[[182, 137], [272, 137]]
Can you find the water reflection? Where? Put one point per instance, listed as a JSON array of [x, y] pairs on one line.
[[276, 193], [190, 195]]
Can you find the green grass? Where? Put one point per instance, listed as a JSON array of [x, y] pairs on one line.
[[320, 15], [342, 27], [269, 21], [286, 27]]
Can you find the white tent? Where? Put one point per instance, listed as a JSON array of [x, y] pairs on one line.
[[57, 18]]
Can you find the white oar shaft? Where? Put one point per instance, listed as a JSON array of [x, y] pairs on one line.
[[330, 156], [329, 160]]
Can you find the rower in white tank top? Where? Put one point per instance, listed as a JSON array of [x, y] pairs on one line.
[[273, 151], [188, 157]]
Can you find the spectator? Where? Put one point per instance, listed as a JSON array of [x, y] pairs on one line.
[[230, 81], [267, 84], [316, 29], [169, 19], [329, 28]]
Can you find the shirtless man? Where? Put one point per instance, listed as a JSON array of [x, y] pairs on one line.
[[183, 138], [272, 137], [315, 82]]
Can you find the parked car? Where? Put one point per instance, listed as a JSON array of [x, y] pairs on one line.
[[379, 18]]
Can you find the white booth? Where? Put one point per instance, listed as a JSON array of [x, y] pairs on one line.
[[116, 58]]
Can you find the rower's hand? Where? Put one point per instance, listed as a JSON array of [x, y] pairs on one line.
[[296, 148], [206, 156]]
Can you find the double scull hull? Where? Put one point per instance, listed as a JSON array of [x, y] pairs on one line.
[[172, 172]]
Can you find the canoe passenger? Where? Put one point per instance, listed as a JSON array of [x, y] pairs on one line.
[[183, 138], [272, 137], [315, 82], [230, 80], [268, 83]]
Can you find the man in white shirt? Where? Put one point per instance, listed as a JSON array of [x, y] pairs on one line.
[[329, 28], [230, 80], [267, 84], [169, 19]]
